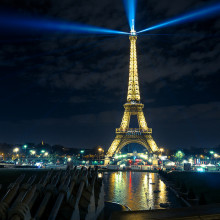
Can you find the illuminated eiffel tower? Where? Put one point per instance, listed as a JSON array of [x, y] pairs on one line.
[[124, 134]]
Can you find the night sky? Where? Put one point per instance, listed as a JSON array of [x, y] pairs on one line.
[[70, 89]]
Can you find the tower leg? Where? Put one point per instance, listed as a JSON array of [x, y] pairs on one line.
[[106, 161], [114, 146], [151, 143], [155, 160]]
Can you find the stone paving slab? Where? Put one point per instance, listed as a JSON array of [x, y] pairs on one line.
[[207, 212]]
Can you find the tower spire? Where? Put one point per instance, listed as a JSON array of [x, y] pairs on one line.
[[132, 28], [133, 83]]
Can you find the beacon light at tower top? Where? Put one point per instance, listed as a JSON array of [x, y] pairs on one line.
[[209, 11], [12, 22], [130, 9], [133, 32]]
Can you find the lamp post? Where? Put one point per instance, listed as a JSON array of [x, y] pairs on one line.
[[100, 150], [16, 150], [82, 152], [42, 152], [32, 152], [25, 147], [216, 156]]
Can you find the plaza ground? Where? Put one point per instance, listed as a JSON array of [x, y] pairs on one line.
[[206, 183]]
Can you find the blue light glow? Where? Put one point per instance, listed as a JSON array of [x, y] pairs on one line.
[[15, 23], [204, 12], [130, 8], [200, 169]]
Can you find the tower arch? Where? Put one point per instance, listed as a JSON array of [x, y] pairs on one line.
[[131, 141]]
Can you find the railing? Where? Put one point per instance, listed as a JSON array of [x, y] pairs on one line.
[[70, 194], [133, 130]]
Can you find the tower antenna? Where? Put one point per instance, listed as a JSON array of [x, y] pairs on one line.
[[133, 32]]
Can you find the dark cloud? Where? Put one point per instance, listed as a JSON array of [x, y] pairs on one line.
[[60, 87]]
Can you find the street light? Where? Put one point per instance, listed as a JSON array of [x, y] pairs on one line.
[[161, 150], [25, 146], [42, 151], [82, 152], [46, 154], [100, 150], [16, 150], [32, 152]]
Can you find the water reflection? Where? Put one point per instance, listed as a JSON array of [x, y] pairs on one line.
[[137, 190]]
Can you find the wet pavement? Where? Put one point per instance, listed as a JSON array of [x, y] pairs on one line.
[[138, 190]]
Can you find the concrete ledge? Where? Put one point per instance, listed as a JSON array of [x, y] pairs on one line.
[[111, 207], [197, 212]]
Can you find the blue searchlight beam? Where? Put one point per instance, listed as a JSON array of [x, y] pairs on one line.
[[15, 22], [195, 15], [130, 8]]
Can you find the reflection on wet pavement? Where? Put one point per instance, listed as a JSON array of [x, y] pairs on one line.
[[137, 190]]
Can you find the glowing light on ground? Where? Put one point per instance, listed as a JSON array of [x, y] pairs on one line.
[[189, 17], [130, 8], [14, 22]]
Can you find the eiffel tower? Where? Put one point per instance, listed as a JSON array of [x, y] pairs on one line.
[[124, 134]]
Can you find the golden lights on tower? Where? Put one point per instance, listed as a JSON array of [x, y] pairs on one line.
[[124, 134], [133, 84]]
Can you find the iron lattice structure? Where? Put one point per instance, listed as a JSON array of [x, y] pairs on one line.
[[124, 134]]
